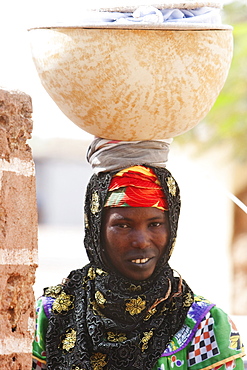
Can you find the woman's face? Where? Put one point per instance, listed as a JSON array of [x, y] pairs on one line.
[[134, 239]]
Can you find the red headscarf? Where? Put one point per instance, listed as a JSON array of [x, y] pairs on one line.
[[136, 186]]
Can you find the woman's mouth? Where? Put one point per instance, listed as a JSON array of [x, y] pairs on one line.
[[140, 260]]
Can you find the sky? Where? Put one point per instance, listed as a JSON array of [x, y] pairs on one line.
[[17, 70]]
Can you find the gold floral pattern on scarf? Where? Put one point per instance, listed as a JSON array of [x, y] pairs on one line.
[[188, 300], [98, 361], [199, 298], [95, 206], [96, 309], [53, 291], [116, 337], [91, 273], [68, 340], [168, 307], [86, 223], [164, 308], [171, 185], [150, 314], [134, 288], [135, 306], [74, 367], [147, 335], [100, 299], [101, 272], [63, 303]]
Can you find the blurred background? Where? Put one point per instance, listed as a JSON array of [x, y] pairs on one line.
[[209, 163]]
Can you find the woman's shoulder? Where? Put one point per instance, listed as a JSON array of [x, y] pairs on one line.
[[59, 298], [208, 337], [198, 310], [45, 302], [207, 340], [204, 321]]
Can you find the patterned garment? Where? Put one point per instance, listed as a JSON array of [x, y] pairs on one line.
[[204, 345], [43, 312], [38, 365], [212, 342], [100, 320], [100, 316]]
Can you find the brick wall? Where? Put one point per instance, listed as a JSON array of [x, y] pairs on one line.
[[18, 231]]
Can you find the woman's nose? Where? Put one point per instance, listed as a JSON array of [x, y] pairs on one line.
[[140, 239]]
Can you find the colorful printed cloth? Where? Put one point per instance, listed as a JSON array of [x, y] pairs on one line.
[[43, 311], [136, 186], [207, 340]]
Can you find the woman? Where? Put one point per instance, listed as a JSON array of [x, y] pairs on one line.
[[127, 309]]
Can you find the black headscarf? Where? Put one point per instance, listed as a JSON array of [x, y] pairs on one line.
[[102, 320]]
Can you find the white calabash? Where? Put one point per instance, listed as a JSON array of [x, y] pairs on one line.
[[133, 84]]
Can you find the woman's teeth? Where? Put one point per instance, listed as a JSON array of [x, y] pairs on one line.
[[142, 260]]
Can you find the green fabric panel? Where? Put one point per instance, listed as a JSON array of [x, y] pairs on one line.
[[239, 364], [227, 339], [176, 361], [40, 331], [179, 362]]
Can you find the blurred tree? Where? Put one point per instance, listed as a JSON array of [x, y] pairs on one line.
[[225, 126], [226, 123], [235, 12]]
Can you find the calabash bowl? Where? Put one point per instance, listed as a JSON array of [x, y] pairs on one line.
[[133, 84]]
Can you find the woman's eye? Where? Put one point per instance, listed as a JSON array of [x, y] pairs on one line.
[[123, 226], [155, 224]]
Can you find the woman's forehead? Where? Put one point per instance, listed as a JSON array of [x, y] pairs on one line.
[[133, 213]]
